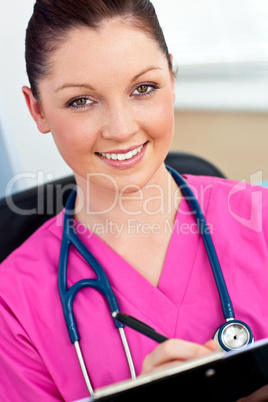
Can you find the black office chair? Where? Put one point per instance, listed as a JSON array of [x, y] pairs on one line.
[[22, 213]]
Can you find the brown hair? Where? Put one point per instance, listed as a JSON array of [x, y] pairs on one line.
[[53, 19]]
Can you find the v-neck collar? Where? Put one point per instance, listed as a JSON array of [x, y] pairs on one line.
[[178, 263], [130, 285], [165, 299], [156, 303]]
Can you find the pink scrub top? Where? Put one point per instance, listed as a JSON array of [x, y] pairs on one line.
[[38, 362]]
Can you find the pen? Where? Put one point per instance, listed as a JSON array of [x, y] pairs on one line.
[[139, 326]]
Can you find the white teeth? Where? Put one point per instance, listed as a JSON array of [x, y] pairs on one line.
[[123, 157]]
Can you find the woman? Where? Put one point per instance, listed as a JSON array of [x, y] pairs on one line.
[[102, 83]]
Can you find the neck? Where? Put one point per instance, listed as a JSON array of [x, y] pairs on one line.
[[157, 201]]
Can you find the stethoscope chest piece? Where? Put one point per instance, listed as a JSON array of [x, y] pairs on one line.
[[234, 334]]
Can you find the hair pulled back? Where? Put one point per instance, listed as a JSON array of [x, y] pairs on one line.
[[52, 20]]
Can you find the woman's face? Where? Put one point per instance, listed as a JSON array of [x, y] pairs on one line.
[[108, 102]]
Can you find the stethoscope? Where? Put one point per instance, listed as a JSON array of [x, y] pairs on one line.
[[233, 334]]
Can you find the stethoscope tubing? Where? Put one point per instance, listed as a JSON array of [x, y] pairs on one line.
[[101, 283], [225, 299]]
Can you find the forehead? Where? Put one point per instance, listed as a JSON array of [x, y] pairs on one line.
[[114, 48]]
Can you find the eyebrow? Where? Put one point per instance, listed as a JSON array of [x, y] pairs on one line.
[[87, 86], [73, 85], [145, 71]]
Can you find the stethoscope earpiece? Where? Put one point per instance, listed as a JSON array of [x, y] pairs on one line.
[[234, 334]]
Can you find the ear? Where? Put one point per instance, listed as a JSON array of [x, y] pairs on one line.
[[36, 110]]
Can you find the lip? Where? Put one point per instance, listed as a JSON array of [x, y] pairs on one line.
[[126, 164], [122, 151]]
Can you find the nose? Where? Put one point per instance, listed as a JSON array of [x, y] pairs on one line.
[[119, 122]]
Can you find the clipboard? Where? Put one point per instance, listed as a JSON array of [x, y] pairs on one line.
[[218, 377]]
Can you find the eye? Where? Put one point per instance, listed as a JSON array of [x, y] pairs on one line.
[[144, 89], [80, 103]]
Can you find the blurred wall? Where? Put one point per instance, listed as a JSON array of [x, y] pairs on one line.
[[221, 110], [236, 142]]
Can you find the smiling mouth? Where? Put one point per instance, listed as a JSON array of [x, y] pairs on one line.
[[122, 156]]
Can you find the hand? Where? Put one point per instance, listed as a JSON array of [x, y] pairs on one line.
[[175, 351]]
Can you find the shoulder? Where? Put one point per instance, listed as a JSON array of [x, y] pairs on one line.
[[28, 277], [35, 258], [226, 189], [224, 184], [234, 203]]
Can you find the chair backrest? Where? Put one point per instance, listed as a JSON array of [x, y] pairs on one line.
[[22, 213], [185, 162]]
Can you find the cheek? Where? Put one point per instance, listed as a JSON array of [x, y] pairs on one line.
[[162, 120], [72, 138]]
